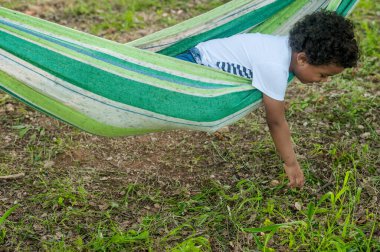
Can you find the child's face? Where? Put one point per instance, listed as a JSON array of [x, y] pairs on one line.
[[308, 73]]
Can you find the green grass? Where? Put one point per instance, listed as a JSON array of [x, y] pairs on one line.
[[188, 191], [114, 19]]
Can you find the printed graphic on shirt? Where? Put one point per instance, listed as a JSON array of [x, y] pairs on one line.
[[235, 69]]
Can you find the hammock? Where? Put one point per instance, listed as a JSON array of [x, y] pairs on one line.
[[110, 89]]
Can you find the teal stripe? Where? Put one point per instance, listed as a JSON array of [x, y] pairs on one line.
[[146, 56], [121, 63], [136, 76], [235, 26], [126, 91], [345, 7]]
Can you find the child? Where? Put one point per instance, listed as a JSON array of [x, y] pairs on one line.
[[318, 46]]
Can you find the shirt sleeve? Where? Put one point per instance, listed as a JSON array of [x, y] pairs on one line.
[[271, 79]]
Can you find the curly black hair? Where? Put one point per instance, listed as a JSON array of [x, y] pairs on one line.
[[325, 38]]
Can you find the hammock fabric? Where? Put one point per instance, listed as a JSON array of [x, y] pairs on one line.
[[111, 89]]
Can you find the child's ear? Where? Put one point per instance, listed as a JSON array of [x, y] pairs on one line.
[[301, 59]]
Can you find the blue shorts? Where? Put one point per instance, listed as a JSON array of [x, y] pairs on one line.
[[191, 55]]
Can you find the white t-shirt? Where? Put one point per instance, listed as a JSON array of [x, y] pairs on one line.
[[263, 58]]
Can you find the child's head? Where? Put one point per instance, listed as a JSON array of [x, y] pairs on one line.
[[322, 44]]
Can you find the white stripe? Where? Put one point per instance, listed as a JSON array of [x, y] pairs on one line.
[[146, 55], [99, 108], [147, 79]]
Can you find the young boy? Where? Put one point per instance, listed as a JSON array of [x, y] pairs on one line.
[[318, 46]]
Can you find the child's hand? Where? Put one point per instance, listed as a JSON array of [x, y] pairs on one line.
[[295, 175]]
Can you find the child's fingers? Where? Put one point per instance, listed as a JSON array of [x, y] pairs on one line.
[[296, 182], [292, 182], [299, 182]]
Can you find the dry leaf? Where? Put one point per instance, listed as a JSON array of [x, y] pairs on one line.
[[298, 206], [274, 183], [103, 207]]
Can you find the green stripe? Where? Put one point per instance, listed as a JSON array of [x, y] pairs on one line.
[[333, 5], [138, 54], [272, 24], [137, 76], [145, 72], [235, 26], [164, 102], [63, 113]]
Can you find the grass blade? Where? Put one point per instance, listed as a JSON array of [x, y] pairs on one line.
[[7, 213], [273, 227]]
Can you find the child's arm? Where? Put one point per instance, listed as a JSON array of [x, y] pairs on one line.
[[279, 129]]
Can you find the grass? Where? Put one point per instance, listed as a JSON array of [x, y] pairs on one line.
[[189, 191]]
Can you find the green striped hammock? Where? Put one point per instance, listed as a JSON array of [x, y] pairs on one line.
[[112, 89]]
